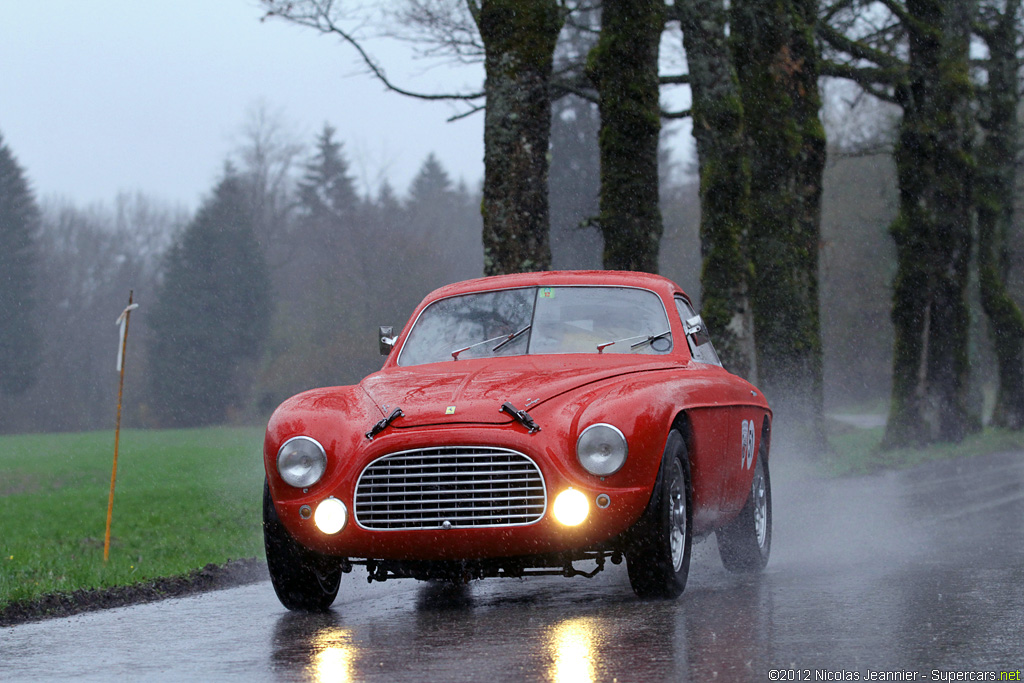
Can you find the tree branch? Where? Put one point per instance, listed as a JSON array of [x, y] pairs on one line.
[[684, 114], [681, 79], [857, 49], [319, 18]]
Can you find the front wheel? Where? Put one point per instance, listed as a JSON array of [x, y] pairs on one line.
[[658, 559], [745, 543], [303, 580]]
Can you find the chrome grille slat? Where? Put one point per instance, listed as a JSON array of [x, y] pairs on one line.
[[466, 486]]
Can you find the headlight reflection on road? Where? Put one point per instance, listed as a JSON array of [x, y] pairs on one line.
[[333, 656], [573, 652]]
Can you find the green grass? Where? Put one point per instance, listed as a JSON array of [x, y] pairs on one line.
[[187, 498], [856, 451], [183, 499]]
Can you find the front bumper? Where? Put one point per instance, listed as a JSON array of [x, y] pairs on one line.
[[619, 506]]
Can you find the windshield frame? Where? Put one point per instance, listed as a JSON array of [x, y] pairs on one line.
[[671, 322]]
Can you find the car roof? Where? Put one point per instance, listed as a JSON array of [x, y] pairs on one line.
[[614, 278]]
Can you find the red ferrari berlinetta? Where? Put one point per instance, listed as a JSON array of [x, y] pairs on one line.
[[539, 423]]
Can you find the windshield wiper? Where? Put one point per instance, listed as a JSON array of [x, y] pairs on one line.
[[510, 338], [456, 352], [521, 416], [505, 339], [383, 424], [650, 339], [647, 339]]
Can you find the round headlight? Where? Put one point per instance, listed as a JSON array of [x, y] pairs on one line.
[[301, 461], [601, 449]]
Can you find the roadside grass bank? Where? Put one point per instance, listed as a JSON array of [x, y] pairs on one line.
[[184, 499], [855, 450], [187, 511]]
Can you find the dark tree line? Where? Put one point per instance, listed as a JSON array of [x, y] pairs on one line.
[[19, 218], [917, 54]]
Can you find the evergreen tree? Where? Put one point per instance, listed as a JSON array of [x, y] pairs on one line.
[[431, 200], [19, 219], [211, 313], [327, 193]]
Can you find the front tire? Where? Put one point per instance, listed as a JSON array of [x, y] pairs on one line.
[[745, 543], [658, 560], [303, 580]]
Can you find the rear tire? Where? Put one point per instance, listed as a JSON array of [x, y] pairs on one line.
[[745, 543], [303, 580], [658, 558]]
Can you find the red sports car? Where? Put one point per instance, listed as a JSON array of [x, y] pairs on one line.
[[539, 423]]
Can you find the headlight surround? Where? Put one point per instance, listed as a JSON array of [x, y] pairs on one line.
[[301, 461], [601, 449]]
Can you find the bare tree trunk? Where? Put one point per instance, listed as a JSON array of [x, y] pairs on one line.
[[718, 128], [995, 182], [519, 39], [777, 64], [624, 67], [933, 229]]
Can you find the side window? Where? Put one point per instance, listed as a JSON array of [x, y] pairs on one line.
[[696, 334]]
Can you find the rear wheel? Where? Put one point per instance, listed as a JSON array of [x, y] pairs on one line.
[[746, 542], [658, 559], [303, 580]]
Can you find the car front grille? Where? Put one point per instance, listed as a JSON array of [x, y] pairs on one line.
[[450, 487]]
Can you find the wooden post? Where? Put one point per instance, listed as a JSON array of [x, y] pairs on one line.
[[122, 320]]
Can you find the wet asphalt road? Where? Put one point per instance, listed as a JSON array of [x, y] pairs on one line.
[[918, 572]]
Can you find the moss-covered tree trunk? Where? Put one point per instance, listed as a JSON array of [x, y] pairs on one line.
[[995, 182], [519, 43], [932, 230], [624, 68], [777, 64], [718, 128]]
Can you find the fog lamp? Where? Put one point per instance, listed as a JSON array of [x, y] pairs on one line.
[[330, 516], [571, 507]]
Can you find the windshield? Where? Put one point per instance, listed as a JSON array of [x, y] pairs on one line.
[[535, 320]]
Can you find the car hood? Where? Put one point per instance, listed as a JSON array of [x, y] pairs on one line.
[[473, 391]]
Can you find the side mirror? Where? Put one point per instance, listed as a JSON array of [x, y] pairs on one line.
[[696, 331], [386, 338]]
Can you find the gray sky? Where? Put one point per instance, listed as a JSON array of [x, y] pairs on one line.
[[103, 96]]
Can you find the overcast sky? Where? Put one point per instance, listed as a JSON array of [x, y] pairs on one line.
[[103, 96]]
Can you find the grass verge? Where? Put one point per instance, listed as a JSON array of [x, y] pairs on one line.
[[190, 499], [184, 499], [856, 451]]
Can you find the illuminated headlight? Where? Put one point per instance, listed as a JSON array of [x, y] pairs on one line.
[[601, 449], [301, 461], [330, 516], [571, 507]]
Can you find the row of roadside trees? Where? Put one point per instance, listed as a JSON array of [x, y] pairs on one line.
[[753, 74]]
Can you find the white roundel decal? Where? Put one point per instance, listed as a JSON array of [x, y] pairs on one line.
[[747, 453]]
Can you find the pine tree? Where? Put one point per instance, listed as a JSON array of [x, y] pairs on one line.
[[211, 314], [327, 193], [19, 219]]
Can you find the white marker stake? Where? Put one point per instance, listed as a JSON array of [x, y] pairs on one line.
[[122, 321]]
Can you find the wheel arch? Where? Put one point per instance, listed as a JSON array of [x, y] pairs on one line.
[[681, 423], [766, 437]]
